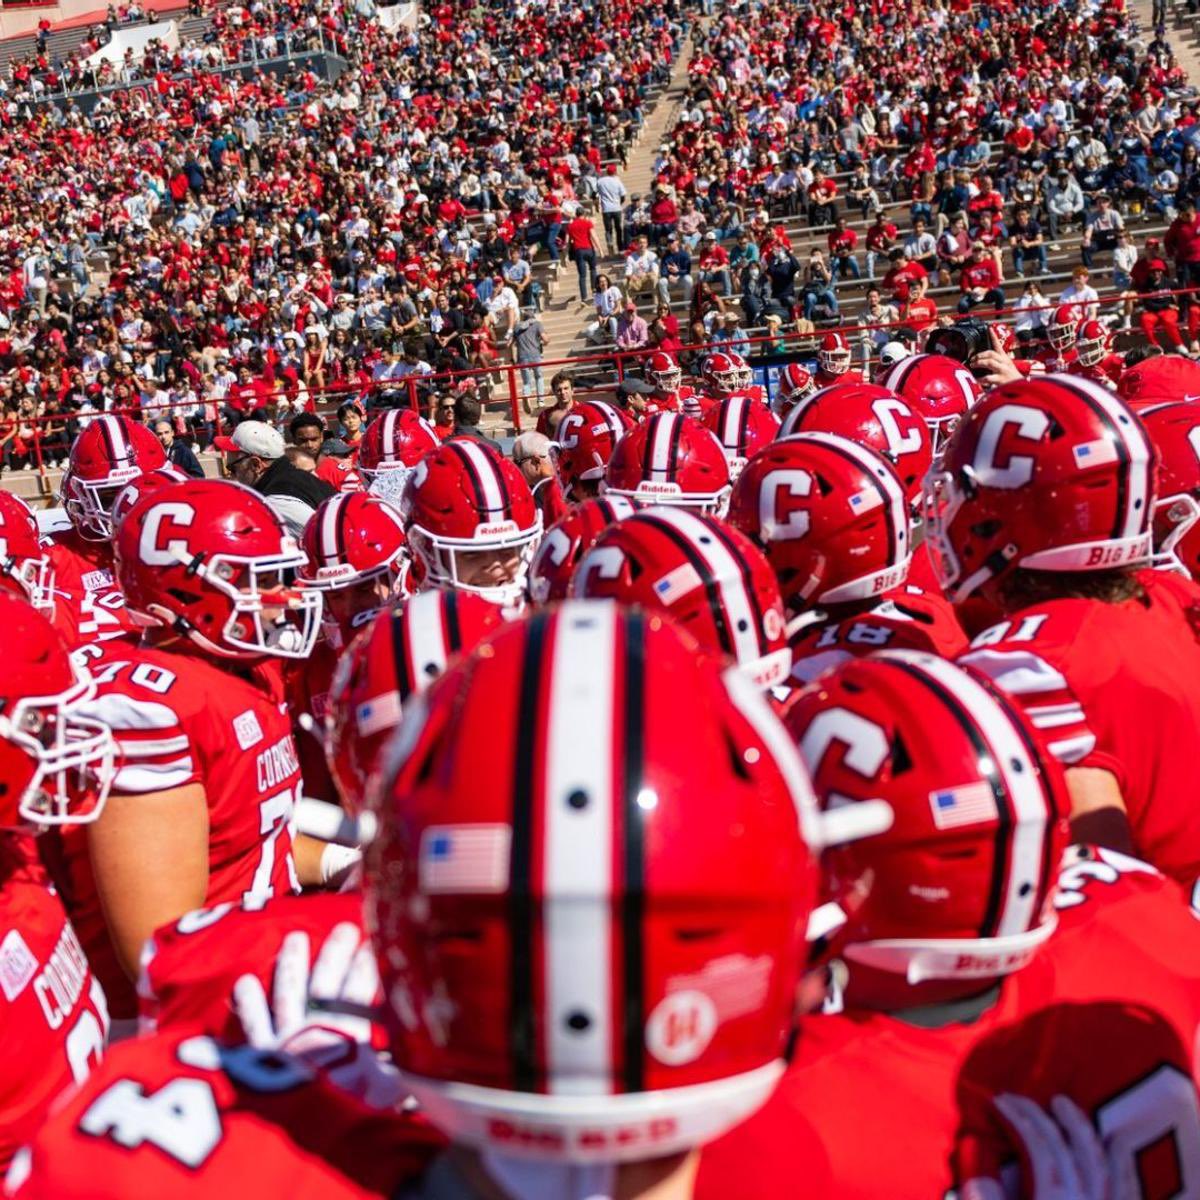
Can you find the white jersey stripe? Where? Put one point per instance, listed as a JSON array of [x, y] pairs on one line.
[[579, 849], [427, 650], [1024, 888]]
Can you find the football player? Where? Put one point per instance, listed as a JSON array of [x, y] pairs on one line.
[[1043, 509], [57, 766], [109, 454], [712, 580], [1094, 357], [1060, 333], [356, 558], [834, 358], [545, 922], [471, 521], [670, 459], [1175, 431], [587, 437], [743, 426], [937, 388], [202, 803], [833, 520], [955, 976], [568, 540]]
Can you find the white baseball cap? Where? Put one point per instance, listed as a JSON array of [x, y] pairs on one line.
[[253, 437]]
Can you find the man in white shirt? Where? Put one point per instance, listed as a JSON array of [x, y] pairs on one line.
[[503, 310], [641, 268], [1081, 293]]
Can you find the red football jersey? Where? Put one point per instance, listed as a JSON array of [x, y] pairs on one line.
[[180, 719], [905, 618], [875, 1106], [1051, 360], [823, 380], [88, 605], [53, 1016], [1107, 372], [189, 968], [306, 684], [177, 1114], [1140, 1089], [1117, 686]]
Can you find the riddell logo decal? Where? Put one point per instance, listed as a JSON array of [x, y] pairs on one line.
[[636, 1133], [650, 488], [496, 528]]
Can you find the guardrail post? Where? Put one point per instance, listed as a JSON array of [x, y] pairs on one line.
[[514, 401]]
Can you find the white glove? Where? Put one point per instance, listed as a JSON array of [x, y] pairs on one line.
[[1066, 1157], [318, 1013]]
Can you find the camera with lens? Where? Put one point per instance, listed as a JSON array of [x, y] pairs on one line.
[[960, 341]]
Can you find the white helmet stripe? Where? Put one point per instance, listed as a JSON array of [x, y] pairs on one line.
[[328, 549], [732, 420], [388, 440], [579, 848], [744, 628], [426, 634], [610, 418], [1136, 518], [1031, 816], [490, 482], [660, 445], [887, 480], [117, 440]]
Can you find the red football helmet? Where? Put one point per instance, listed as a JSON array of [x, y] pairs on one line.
[[834, 355], [745, 374], [57, 762], [1060, 329], [961, 883], [548, 906], [25, 567], [721, 373], [1092, 342], [872, 416], [1160, 380], [743, 427], [937, 388], [355, 549], [795, 384], [587, 437], [663, 372], [104, 457], [1174, 430], [568, 540], [830, 515], [399, 654], [1053, 473], [394, 441], [710, 578], [143, 485], [670, 459], [472, 521], [210, 560]]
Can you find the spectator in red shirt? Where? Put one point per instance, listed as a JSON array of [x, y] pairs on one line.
[[664, 216], [581, 241], [904, 273], [822, 199], [980, 281], [882, 236], [987, 199], [1183, 245], [921, 311], [843, 241]]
